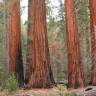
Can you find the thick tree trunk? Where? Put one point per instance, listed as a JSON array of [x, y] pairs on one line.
[[38, 53], [15, 63], [75, 67], [93, 39]]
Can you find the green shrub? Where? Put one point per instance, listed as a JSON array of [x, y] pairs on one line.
[[1, 72], [62, 91], [11, 84], [61, 87], [70, 94]]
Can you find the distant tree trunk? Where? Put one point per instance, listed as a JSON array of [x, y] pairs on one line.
[[38, 58], [29, 40], [75, 67], [5, 42], [15, 63], [93, 39]]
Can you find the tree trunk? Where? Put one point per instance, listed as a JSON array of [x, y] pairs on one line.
[[93, 39], [75, 67], [5, 42], [38, 53], [29, 40], [16, 64]]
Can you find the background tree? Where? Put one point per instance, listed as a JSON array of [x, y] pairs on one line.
[[93, 39], [75, 67], [57, 35], [1, 30], [40, 68], [57, 30], [5, 41], [15, 53], [83, 17], [29, 41]]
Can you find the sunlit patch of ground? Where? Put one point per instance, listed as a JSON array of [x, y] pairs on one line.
[[87, 91], [56, 91], [59, 90]]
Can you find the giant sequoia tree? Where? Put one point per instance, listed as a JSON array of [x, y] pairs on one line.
[[39, 73], [75, 67], [93, 39], [15, 54]]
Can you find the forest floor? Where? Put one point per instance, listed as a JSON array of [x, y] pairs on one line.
[[87, 91], [56, 91]]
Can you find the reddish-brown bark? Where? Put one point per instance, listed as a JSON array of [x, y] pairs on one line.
[[93, 39], [15, 54], [75, 67], [38, 59]]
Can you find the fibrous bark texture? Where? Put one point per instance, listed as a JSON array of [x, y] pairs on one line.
[[15, 63], [38, 59], [75, 67], [93, 39]]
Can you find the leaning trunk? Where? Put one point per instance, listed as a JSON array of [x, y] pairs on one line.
[[75, 67]]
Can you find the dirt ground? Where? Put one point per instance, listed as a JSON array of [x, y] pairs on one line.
[[88, 91], [43, 92]]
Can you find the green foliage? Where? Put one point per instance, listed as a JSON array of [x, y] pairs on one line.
[[69, 94], [1, 73], [11, 84], [61, 87], [1, 31], [49, 10], [62, 91], [83, 16]]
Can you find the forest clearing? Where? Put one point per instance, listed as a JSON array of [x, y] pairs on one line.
[[47, 48]]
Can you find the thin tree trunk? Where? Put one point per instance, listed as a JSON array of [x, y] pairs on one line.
[[16, 64], [29, 40], [39, 60], [93, 39], [75, 67], [5, 42]]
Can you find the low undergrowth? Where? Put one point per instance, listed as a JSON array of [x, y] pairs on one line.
[[62, 91], [11, 84]]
